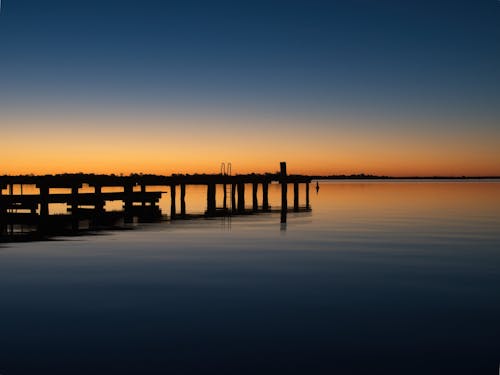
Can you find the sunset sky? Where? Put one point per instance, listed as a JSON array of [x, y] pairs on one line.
[[332, 87]]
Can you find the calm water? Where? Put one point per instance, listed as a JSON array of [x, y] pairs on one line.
[[380, 278]]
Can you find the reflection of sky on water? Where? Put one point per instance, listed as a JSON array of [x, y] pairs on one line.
[[377, 276]]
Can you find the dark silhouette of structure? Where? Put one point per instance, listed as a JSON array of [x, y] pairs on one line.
[[137, 203]]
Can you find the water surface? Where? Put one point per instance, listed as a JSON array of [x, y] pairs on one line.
[[381, 277]]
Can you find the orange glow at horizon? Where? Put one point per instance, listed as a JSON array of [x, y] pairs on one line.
[[198, 145]]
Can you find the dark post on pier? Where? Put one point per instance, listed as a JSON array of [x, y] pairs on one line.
[[183, 200], [284, 191], [265, 196]]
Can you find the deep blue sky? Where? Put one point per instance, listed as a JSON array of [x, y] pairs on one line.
[[311, 55], [434, 62]]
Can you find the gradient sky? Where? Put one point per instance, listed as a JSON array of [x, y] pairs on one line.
[[353, 86]]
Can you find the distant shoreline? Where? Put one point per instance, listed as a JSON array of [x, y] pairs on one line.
[[313, 177], [370, 177]]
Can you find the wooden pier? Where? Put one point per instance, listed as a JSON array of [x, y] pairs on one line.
[[138, 202]]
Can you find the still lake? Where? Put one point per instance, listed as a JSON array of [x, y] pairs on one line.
[[399, 277]]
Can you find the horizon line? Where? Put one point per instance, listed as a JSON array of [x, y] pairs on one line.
[[313, 176]]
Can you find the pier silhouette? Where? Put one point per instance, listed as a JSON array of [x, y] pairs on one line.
[[32, 210]]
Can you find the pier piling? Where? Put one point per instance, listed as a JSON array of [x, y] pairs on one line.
[[143, 203], [3, 211], [308, 205], [173, 209], [44, 201], [224, 202], [255, 202], [296, 196], [265, 196], [233, 197], [284, 191], [241, 197], [74, 200], [211, 202], [183, 200], [99, 202], [74, 208], [128, 203]]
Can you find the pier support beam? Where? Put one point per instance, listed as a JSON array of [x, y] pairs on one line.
[[128, 204], [74, 208], [2, 212], [265, 196], [43, 222], [143, 190], [233, 197], [211, 200], [183, 200], [44, 201], [241, 198], [173, 209], [308, 206], [295, 196], [11, 192], [74, 200], [284, 191], [99, 202], [255, 202], [224, 203]]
